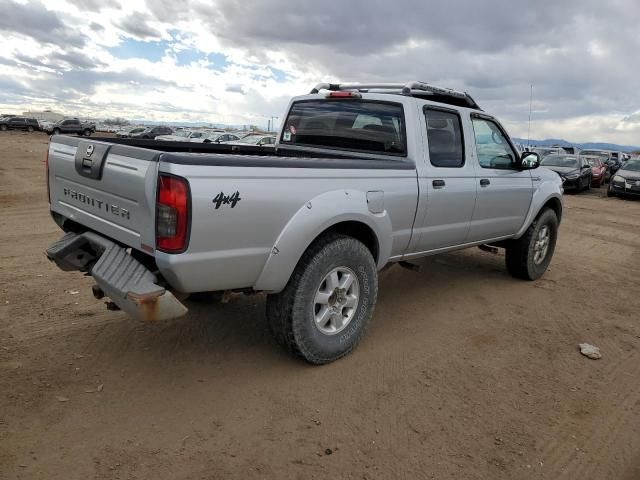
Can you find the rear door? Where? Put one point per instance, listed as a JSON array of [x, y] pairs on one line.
[[18, 123], [447, 183], [108, 188], [504, 191]]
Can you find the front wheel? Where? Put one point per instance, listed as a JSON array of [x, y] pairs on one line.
[[326, 306], [3, 128], [528, 257], [86, 132], [56, 131], [29, 129]]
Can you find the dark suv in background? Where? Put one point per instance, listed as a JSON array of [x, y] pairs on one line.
[[71, 125], [19, 123]]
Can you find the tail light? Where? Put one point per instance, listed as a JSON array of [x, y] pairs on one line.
[[344, 94], [46, 169], [172, 214]]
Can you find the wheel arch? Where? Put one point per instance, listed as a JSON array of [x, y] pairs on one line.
[[341, 212], [554, 202]]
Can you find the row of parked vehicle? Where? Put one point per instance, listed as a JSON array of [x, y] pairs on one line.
[[583, 169], [167, 134], [66, 126]]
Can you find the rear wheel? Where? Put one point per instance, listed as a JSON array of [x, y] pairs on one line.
[[326, 306], [3, 128], [87, 132], [528, 257], [29, 128], [56, 131]]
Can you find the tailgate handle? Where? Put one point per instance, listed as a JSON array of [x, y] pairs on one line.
[[90, 158]]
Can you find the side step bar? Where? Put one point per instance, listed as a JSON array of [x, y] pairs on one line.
[[130, 285]]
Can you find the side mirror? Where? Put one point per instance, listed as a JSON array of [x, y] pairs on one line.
[[529, 160]]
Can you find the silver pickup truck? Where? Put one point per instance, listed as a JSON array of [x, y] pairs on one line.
[[362, 176]]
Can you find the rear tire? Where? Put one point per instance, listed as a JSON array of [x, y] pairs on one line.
[[87, 132], [3, 128], [29, 129], [325, 309], [56, 131], [528, 257]]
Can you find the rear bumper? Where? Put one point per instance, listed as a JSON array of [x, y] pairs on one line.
[[130, 285]]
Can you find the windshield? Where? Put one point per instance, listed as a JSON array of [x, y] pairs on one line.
[[632, 165], [182, 133], [594, 162], [355, 125], [137, 130], [558, 161]]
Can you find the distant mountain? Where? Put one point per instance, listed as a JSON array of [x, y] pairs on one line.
[[588, 145]]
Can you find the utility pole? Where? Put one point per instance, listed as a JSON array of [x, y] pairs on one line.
[[530, 105], [273, 124]]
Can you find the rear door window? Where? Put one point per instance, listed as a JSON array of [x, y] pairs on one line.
[[355, 125], [444, 134]]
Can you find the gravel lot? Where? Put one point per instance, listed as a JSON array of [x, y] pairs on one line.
[[465, 373]]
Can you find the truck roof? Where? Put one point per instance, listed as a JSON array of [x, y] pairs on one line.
[[412, 89]]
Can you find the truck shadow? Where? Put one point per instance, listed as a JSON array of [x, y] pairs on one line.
[[239, 328]]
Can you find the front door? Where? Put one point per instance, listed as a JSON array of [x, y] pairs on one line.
[[504, 191], [447, 183]]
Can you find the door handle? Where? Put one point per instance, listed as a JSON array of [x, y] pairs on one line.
[[438, 183], [484, 182]]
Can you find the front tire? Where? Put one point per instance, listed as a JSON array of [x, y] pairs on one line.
[[325, 309], [56, 131], [3, 128], [87, 132], [29, 129], [528, 257]]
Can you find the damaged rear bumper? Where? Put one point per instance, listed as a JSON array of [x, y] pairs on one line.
[[129, 284]]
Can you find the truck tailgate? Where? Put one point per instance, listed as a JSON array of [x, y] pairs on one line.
[[110, 189]]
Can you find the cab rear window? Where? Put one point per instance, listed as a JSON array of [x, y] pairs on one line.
[[354, 125]]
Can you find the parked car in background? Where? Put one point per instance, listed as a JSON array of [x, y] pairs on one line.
[[71, 126], [19, 123], [598, 170], [545, 151], [150, 133], [626, 180], [575, 171], [125, 133], [612, 162], [216, 137], [184, 136], [258, 140]]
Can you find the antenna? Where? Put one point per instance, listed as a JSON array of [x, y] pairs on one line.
[[530, 104]]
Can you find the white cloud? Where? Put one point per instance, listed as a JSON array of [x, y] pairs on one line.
[[581, 57]]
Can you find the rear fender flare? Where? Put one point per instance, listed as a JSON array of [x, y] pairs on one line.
[[311, 220]]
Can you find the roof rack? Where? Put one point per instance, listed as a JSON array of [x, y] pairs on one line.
[[414, 89]]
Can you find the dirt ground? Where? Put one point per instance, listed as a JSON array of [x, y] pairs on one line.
[[465, 373]]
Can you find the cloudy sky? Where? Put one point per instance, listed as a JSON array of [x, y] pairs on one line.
[[239, 61]]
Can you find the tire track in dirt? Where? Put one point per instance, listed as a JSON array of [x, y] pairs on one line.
[[562, 456]]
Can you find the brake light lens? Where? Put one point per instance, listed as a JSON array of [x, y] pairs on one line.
[[172, 214], [344, 94]]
